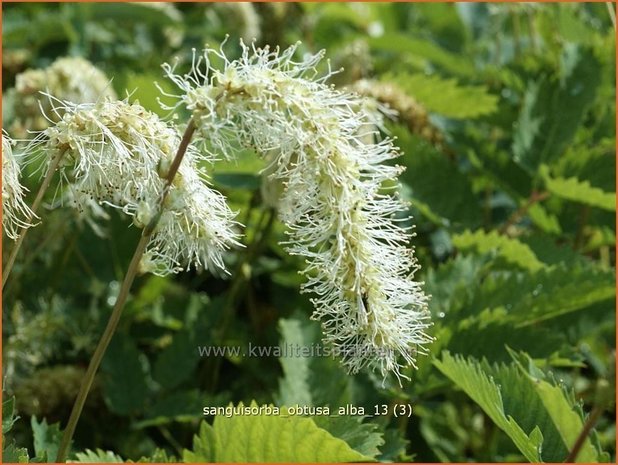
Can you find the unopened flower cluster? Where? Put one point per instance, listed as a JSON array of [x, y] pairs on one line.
[[359, 266], [118, 154], [15, 213]]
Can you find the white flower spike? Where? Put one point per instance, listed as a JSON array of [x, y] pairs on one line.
[[340, 218], [117, 154], [16, 215]]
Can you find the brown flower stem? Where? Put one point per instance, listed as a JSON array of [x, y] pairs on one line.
[[579, 442], [535, 197], [34, 208], [114, 318]]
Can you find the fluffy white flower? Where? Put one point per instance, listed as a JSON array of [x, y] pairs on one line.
[[72, 79], [359, 266], [15, 213], [118, 154]]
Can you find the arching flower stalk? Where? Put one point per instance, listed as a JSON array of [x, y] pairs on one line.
[[119, 154], [16, 215], [359, 266]]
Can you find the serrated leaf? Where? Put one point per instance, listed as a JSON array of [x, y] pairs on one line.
[[430, 174], [553, 109], [159, 456], [552, 252], [596, 163], [446, 96], [204, 446], [511, 250], [294, 387], [97, 456], [9, 416], [125, 371], [453, 283], [318, 380], [481, 387], [13, 454], [530, 298], [394, 448], [520, 401], [269, 438], [578, 191], [362, 437], [423, 48], [177, 361], [46, 439], [561, 290], [560, 408], [181, 406], [477, 338], [542, 219]]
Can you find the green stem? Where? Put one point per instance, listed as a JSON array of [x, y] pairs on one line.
[[114, 318], [35, 206]]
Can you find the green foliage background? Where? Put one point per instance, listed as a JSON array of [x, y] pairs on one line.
[[511, 181]]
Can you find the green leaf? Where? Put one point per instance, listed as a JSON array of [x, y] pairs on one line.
[[268, 438], [157, 17], [395, 446], [125, 372], [530, 298], [364, 438], [238, 180], [555, 292], [453, 283], [10, 452], [578, 191], [478, 338], [294, 387], [554, 107], [204, 446], [9, 415], [542, 219], [511, 250], [159, 456], [429, 174], [97, 456], [311, 381], [36, 31], [423, 48], [182, 406], [589, 159], [446, 96], [177, 361], [537, 415], [46, 439], [470, 376], [559, 407], [13, 454]]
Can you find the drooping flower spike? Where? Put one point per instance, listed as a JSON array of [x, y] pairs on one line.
[[16, 215], [117, 154], [315, 138]]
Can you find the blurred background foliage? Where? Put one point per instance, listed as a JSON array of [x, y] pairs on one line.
[[507, 127]]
